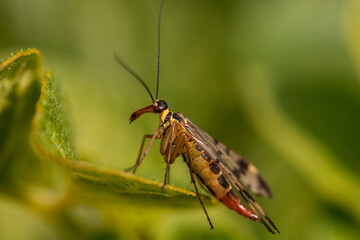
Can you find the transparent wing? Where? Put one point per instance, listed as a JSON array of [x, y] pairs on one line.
[[244, 171]]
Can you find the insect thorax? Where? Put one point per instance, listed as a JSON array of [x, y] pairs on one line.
[[168, 118], [170, 131], [164, 116]]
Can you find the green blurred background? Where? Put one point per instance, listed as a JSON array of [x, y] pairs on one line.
[[277, 81]]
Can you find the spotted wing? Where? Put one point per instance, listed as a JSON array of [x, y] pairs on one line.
[[217, 152], [244, 171]]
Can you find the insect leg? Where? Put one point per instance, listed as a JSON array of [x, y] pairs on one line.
[[167, 170], [181, 142], [166, 139], [168, 145], [198, 180], [139, 160], [257, 206], [172, 154], [193, 180], [140, 151]]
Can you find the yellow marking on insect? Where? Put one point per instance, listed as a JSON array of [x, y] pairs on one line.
[[163, 115], [201, 152], [199, 163], [207, 175], [219, 191], [252, 169]]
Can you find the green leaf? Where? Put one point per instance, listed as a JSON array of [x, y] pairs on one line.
[[19, 91], [51, 133], [53, 139], [352, 31], [51, 127], [39, 163]]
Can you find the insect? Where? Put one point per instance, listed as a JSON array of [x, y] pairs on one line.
[[217, 168]]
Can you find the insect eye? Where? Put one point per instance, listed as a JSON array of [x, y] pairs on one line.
[[160, 106]]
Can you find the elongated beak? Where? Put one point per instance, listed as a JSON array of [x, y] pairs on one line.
[[138, 113]]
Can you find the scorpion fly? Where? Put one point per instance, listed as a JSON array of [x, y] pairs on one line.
[[217, 168]]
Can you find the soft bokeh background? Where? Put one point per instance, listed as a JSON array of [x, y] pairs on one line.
[[278, 81]]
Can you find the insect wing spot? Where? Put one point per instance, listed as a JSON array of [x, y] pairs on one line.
[[227, 150], [242, 167], [263, 186]]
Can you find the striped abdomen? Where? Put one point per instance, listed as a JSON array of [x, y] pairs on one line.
[[208, 172], [213, 178]]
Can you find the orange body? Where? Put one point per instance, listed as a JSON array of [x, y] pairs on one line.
[[205, 168]]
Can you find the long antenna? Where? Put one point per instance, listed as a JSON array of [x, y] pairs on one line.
[[158, 68], [132, 72]]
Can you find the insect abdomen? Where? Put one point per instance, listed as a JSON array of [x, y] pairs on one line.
[[208, 172], [212, 177], [233, 202]]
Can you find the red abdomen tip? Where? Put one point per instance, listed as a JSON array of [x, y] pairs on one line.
[[233, 202]]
